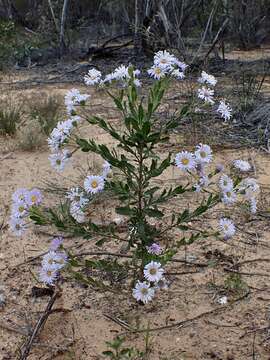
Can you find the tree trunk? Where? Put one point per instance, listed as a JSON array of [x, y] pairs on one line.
[[138, 37], [62, 27]]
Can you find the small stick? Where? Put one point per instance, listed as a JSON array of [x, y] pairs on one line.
[[246, 273], [25, 350]]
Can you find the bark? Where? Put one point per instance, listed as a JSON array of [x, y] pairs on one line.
[[62, 27], [138, 37]]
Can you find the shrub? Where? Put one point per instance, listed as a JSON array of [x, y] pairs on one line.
[[47, 112], [10, 117], [137, 160], [30, 137]]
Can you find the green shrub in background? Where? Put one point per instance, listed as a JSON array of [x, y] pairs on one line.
[[47, 112]]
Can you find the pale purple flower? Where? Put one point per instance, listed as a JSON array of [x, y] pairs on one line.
[[154, 249], [20, 195], [56, 243], [33, 197]]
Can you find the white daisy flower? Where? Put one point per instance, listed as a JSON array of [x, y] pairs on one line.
[[185, 160], [143, 292], [203, 154], [108, 78], [227, 228], [225, 182], [59, 160], [153, 271], [48, 276], [77, 212], [253, 205], [34, 197], [61, 259], [49, 261], [181, 65], [20, 195], [93, 184], [72, 98], [242, 165], [250, 187], [121, 73], [164, 59], [157, 72], [229, 197], [206, 94], [178, 74], [93, 77], [224, 110], [207, 79], [19, 210]]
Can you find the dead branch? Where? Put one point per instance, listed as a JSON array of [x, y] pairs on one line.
[[221, 29], [26, 348]]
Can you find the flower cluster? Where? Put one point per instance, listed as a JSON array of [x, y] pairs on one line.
[[22, 200], [61, 135], [196, 164], [121, 73], [206, 93], [52, 262], [80, 197], [145, 290]]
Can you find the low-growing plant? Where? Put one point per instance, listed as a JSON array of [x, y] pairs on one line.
[[117, 351], [30, 137], [248, 87], [10, 117], [136, 160], [47, 112]]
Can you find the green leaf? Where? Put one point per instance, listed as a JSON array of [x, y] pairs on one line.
[[126, 210], [155, 213]]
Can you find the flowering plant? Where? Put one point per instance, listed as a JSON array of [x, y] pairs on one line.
[[129, 174]]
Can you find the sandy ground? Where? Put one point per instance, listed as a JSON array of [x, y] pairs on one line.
[[236, 331]]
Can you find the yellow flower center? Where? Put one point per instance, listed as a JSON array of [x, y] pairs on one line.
[[157, 71], [185, 161], [153, 271], [144, 291], [33, 198], [203, 154], [49, 272], [58, 161], [94, 184], [21, 209], [229, 194]]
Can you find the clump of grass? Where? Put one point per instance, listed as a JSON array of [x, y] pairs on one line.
[[248, 89], [31, 137], [47, 112], [10, 117]]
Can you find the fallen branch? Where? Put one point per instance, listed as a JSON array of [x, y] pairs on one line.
[[26, 348]]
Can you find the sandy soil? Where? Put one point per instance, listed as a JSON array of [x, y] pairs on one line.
[[236, 331]]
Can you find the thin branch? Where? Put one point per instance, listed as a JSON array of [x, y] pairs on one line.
[[26, 348]]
